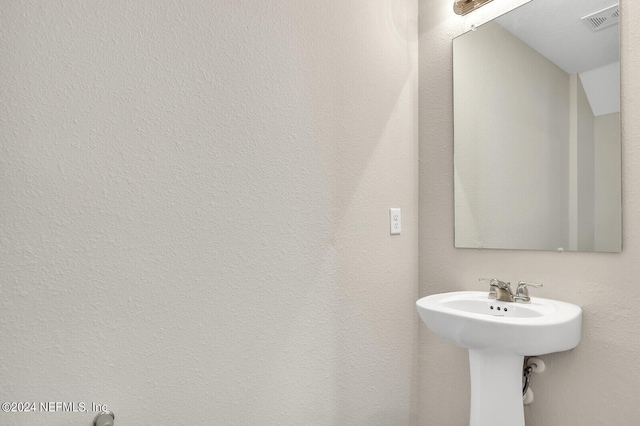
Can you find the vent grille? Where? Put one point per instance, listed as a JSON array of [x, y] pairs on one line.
[[603, 19]]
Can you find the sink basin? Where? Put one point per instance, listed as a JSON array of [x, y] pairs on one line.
[[473, 321], [498, 336]]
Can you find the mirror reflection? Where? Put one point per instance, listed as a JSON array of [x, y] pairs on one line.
[[537, 129]]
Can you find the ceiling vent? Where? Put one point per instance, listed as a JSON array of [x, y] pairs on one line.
[[603, 19]]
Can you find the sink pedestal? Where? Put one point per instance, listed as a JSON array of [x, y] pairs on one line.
[[498, 334], [496, 388]]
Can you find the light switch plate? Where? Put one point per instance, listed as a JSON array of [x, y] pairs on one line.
[[395, 221]]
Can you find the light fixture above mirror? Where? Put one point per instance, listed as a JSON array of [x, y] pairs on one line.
[[462, 7]]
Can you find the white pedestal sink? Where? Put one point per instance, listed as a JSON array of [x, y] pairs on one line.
[[498, 336]]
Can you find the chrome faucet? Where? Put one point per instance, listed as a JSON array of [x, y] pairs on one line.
[[501, 290]]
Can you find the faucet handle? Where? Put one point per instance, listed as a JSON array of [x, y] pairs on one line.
[[522, 293], [492, 290]]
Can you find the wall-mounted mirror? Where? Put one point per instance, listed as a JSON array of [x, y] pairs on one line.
[[537, 129]]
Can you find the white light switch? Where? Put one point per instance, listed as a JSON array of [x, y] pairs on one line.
[[395, 221]]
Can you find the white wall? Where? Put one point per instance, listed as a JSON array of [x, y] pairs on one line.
[[596, 382], [582, 168], [607, 217], [601, 85], [194, 225]]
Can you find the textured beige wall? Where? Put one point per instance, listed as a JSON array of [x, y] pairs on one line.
[[595, 384], [607, 215], [194, 222], [585, 167]]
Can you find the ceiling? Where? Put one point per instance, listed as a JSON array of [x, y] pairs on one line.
[[555, 30]]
